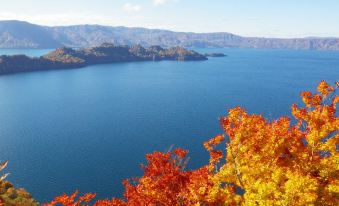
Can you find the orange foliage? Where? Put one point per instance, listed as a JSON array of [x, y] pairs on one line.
[[71, 200], [266, 163]]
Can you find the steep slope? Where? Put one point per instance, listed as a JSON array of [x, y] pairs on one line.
[[18, 34]]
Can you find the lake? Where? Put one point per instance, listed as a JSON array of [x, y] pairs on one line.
[[90, 128]]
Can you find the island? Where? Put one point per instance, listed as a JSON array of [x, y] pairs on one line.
[[68, 58], [215, 55]]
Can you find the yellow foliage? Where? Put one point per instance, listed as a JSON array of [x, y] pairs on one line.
[[263, 163]]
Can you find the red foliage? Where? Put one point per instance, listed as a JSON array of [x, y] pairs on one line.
[[274, 162]]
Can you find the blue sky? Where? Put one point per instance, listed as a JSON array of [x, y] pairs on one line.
[[268, 18]]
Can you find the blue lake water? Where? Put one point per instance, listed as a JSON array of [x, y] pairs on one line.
[[28, 52], [90, 128]]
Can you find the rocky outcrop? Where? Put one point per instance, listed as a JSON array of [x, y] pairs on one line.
[[66, 58]]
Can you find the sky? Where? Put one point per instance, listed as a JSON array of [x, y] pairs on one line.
[[260, 18]]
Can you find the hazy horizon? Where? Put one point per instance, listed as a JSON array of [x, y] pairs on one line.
[[262, 18], [320, 37]]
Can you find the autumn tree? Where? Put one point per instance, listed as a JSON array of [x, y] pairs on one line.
[[262, 163]]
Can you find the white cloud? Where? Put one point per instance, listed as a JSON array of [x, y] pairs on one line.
[[162, 2], [128, 7], [58, 19]]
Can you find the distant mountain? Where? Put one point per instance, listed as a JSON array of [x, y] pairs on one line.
[[18, 34]]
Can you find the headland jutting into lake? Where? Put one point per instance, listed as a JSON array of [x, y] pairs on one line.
[[67, 58]]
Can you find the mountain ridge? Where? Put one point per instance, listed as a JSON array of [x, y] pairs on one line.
[[21, 34]]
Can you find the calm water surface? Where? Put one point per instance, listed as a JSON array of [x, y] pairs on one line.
[[90, 128], [28, 52]]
